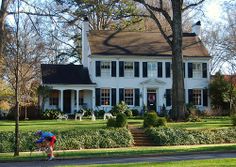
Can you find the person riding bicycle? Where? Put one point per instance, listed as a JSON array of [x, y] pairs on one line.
[[47, 139]]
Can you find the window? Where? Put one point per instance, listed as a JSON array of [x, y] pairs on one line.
[[152, 69], [53, 98], [105, 97], [197, 97], [197, 70], [129, 96], [128, 69], [105, 68]]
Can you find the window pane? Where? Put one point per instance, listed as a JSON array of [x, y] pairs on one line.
[[152, 69], [197, 97], [197, 70], [105, 96], [105, 68], [129, 69], [129, 96]]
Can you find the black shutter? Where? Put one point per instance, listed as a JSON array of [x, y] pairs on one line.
[[113, 68], [98, 68], [144, 69], [121, 69], [204, 70], [159, 66], [205, 97], [121, 94], [190, 96], [184, 69], [136, 101], [167, 64], [113, 96], [168, 97], [190, 70], [136, 69], [97, 96]]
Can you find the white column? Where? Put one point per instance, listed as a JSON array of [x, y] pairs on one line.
[[77, 102], [93, 98], [61, 100]]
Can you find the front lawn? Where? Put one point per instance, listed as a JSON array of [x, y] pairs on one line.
[[52, 125], [206, 123]]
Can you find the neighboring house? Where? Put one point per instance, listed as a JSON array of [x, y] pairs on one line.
[[134, 67]]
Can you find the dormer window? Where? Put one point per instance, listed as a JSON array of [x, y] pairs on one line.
[[105, 68]]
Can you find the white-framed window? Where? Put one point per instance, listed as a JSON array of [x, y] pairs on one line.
[[152, 69], [54, 98], [105, 97], [105, 68], [197, 70], [197, 97], [129, 96], [128, 69]]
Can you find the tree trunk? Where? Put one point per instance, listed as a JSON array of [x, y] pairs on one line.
[[178, 101], [3, 13], [17, 132]]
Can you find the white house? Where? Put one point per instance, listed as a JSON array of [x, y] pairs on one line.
[[134, 67]]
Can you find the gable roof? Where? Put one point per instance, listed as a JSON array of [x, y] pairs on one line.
[[141, 43], [65, 74]]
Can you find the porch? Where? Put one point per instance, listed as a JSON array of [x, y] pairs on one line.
[[70, 100]]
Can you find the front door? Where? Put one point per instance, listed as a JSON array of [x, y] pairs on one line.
[[151, 99], [67, 101]]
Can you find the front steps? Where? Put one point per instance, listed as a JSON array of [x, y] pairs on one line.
[[140, 138]]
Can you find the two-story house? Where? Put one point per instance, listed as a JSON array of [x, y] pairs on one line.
[[134, 67]]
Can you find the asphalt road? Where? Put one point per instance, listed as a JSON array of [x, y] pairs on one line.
[[144, 158]]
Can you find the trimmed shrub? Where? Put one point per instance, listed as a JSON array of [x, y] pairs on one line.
[[128, 113], [152, 120], [135, 112], [233, 118], [111, 122], [161, 122], [173, 136], [121, 120], [72, 139], [120, 108]]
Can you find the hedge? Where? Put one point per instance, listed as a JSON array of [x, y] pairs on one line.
[[165, 136], [73, 139]]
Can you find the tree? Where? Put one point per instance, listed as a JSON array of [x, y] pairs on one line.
[[221, 92], [3, 14], [220, 39], [174, 39]]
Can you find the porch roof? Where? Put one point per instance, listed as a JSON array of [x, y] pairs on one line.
[[65, 74]]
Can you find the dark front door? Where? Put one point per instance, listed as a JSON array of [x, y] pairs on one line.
[[151, 100], [67, 101]]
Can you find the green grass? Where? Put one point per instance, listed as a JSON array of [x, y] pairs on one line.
[[114, 152], [52, 125], [226, 162], [206, 123]]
